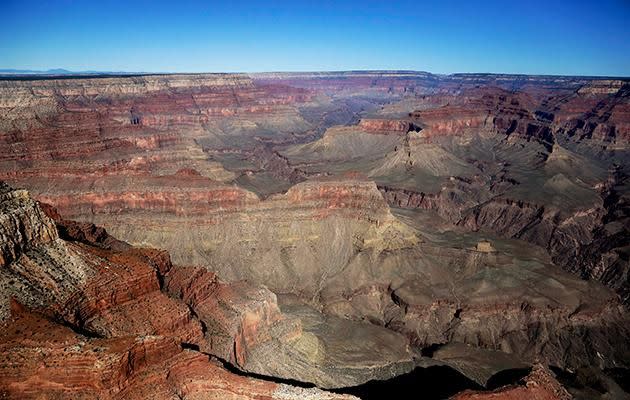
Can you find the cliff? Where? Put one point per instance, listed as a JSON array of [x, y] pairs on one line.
[[81, 320]]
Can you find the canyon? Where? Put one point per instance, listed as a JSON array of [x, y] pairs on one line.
[[314, 235]]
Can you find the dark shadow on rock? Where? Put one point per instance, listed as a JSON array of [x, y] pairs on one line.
[[507, 377], [437, 382]]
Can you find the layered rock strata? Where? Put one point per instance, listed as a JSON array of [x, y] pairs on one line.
[[82, 320]]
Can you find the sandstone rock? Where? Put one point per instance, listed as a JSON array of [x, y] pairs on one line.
[[540, 384], [246, 326], [132, 336], [385, 126], [485, 247], [22, 224], [44, 359]]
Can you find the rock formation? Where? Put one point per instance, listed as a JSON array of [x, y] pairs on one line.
[[387, 125], [470, 222], [540, 384], [83, 321]]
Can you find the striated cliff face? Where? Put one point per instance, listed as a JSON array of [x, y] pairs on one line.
[[90, 287], [84, 321], [598, 115], [528, 169], [22, 224], [42, 358], [236, 317], [418, 82], [386, 126], [103, 288], [489, 111], [28, 237], [123, 294], [111, 103], [587, 241], [604, 122], [286, 242], [150, 125]]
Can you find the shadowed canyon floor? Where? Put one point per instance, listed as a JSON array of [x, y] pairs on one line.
[[357, 231]]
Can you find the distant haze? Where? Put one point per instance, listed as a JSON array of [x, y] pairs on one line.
[[533, 37]]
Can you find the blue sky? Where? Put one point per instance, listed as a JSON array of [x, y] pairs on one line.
[[536, 37]]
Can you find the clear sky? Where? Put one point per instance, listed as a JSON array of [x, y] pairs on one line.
[[511, 36]]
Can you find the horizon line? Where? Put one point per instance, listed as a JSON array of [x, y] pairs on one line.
[[53, 72]]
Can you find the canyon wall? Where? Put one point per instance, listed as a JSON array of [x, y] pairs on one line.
[[404, 207]]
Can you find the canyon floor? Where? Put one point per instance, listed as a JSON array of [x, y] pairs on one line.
[[324, 235]]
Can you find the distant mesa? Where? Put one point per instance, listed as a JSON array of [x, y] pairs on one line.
[[60, 72]]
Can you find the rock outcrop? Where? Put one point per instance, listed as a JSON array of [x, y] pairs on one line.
[[317, 226], [43, 359], [236, 317], [540, 384], [22, 224], [387, 126], [82, 320]]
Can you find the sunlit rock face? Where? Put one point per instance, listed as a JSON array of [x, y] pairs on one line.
[[540, 385], [431, 219], [87, 316]]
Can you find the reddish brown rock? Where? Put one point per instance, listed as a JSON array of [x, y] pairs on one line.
[[180, 194], [122, 337], [93, 288], [42, 359], [487, 110], [599, 115], [386, 126], [237, 317], [83, 232], [540, 384]]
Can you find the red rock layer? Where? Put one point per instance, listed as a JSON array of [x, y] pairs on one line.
[[540, 384], [488, 109], [197, 198], [602, 115], [177, 195], [593, 117], [42, 359], [149, 125], [237, 317], [386, 126], [125, 298], [355, 197], [122, 337], [83, 232], [117, 288]]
